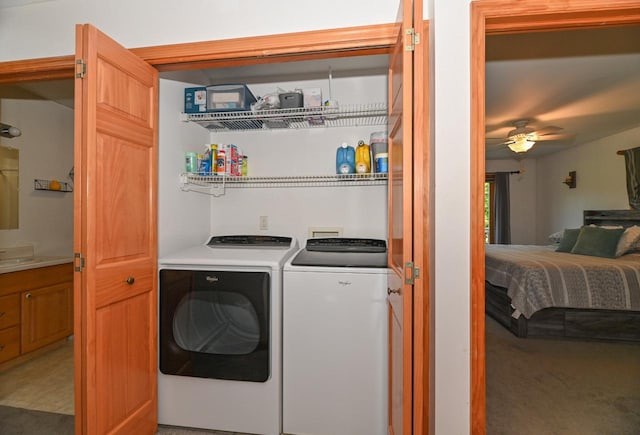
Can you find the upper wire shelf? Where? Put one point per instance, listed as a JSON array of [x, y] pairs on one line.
[[295, 118]]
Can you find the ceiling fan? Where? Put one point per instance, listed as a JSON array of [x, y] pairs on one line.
[[522, 137]]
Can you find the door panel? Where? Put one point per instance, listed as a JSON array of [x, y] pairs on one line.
[[400, 129], [115, 230], [121, 365]]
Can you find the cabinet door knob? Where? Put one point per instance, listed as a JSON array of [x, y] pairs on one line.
[[28, 296], [1, 347], [2, 313], [391, 290], [130, 280]]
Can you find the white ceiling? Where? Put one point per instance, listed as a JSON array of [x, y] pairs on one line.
[[586, 82], [291, 71]]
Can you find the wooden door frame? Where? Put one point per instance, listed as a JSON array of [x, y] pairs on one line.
[[501, 17], [321, 44]]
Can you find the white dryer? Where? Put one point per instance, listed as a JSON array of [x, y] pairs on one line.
[[335, 338], [220, 334]]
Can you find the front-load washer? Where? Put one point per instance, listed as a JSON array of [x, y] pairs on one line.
[[335, 338], [220, 334]]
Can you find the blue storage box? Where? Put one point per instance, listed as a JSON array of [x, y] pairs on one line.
[[221, 98], [195, 100]]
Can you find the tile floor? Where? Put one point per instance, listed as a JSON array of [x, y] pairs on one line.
[[46, 384], [42, 384]]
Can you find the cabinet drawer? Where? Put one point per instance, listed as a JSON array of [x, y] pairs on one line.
[[9, 310], [9, 343], [14, 282]]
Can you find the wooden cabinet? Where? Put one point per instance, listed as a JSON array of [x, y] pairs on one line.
[[46, 315], [36, 309]]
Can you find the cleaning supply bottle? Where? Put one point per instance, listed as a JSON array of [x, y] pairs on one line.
[[345, 159], [363, 158], [222, 162]]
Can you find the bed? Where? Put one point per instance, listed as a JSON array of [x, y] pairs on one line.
[[535, 291]]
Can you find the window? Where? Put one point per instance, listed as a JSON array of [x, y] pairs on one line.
[[489, 201]]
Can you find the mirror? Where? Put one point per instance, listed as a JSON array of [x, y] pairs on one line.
[[9, 171]]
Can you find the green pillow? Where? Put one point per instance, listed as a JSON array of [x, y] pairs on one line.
[[569, 238], [597, 241]]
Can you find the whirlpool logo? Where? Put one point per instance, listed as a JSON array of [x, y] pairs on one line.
[[212, 278], [344, 283]]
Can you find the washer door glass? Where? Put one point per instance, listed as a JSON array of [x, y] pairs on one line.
[[216, 323]]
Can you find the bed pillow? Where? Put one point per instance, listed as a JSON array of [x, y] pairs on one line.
[[629, 241], [569, 238], [597, 241], [555, 238]]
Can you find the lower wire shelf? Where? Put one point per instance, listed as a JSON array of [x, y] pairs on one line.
[[194, 181]]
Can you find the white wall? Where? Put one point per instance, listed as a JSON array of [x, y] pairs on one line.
[[147, 22], [600, 182], [46, 152], [360, 211], [522, 197], [451, 124], [183, 218]]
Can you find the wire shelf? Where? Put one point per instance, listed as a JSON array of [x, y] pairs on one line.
[[335, 180], [295, 118], [39, 184]]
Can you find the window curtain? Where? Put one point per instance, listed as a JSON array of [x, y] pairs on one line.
[[632, 164], [502, 220]]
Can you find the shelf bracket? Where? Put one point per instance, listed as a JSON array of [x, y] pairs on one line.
[[211, 190]]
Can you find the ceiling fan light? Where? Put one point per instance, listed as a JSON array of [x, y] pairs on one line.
[[521, 145]]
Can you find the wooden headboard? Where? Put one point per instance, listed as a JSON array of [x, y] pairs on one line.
[[625, 218]]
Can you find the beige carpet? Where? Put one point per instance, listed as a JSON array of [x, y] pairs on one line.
[[561, 387]]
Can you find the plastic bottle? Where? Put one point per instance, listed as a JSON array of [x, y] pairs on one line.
[[222, 162], [214, 158], [191, 162], [363, 158], [245, 167], [204, 163], [345, 159]]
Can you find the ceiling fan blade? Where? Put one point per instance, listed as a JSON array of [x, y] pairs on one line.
[[550, 137], [547, 130]]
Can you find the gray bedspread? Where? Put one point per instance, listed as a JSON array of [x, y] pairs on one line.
[[537, 277]]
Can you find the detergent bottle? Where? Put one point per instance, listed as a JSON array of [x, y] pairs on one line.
[[345, 159], [363, 158]]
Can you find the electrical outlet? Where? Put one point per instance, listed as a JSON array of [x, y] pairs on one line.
[[264, 222]]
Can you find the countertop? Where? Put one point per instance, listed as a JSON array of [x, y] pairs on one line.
[[16, 265]]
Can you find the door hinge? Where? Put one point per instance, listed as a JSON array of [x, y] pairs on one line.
[[78, 262], [412, 39], [410, 273], [81, 68]]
